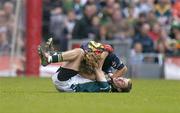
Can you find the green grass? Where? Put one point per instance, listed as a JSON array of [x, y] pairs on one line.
[[38, 95]]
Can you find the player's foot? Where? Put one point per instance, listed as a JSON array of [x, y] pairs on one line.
[[49, 45], [44, 56]]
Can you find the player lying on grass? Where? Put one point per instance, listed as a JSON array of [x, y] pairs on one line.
[[111, 61], [82, 62]]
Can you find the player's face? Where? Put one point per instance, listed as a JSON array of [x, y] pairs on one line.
[[120, 82]]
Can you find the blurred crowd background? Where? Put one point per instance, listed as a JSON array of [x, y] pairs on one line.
[[151, 26]]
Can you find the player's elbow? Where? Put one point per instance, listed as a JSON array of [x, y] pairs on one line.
[[125, 69], [120, 72]]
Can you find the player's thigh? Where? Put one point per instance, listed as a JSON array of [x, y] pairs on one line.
[[75, 63], [63, 86], [72, 54]]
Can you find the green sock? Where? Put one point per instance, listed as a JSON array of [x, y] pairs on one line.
[[57, 58]]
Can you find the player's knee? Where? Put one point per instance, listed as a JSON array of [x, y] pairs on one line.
[[80, 51]]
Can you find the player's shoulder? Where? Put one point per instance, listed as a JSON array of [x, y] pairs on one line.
[[112, 55]]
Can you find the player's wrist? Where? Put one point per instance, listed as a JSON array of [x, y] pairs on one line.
[[110, 77]]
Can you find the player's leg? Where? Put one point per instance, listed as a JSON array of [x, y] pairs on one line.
[[73, 58], [68, 72], [69, 56], [63, 78]]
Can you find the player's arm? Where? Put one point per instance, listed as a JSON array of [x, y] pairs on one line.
[[118, 65], [100, 76], [101, 81], [119, 72]]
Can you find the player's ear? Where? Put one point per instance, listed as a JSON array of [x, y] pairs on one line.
[[108, 48]]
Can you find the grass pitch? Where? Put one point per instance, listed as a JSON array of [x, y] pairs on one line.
[[38, 95]]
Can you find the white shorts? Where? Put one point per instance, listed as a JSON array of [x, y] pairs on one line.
[[66, 85]]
